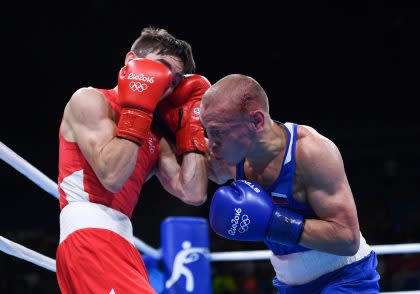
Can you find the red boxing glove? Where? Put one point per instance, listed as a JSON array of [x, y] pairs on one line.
[[181, 112], [140, 85]]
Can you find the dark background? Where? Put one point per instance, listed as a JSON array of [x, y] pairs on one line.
[[349, 72]]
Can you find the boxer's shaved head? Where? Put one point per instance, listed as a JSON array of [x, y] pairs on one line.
[[234, 112], [236, 93]]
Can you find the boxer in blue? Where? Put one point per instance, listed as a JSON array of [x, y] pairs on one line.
[[290, 191]]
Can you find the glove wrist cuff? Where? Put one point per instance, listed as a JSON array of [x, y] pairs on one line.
[[190, 140], [286, 227], [134, 124]]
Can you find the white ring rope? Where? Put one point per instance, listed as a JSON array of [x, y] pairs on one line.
[[28, 170], [147, 249], [24, 253], [265, 254], [36, 176]]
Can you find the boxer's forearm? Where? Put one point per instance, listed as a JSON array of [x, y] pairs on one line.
[[188, 180], [193, 178], [330, 237], [89, 122], [115, 163]]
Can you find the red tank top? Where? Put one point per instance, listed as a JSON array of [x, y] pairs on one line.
[[78, 182]]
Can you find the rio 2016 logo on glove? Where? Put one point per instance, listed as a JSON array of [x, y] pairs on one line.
[[141, 77], [244, 223], [138, 87]]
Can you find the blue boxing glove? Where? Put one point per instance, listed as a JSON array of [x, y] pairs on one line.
[[244, 211]]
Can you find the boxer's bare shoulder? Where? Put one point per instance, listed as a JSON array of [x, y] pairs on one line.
[[315, 154], [85, 104], [310, 144], [318, 160]]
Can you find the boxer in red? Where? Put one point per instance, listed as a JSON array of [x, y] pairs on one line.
[[109, 148]]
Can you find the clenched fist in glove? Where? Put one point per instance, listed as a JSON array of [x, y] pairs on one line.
[[244, 211], [181, 113], [140, 85]]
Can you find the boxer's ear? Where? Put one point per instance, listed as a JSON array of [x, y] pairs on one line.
[[257, 120], [130, 56]]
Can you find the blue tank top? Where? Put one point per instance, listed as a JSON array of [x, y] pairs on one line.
[[281, 190]]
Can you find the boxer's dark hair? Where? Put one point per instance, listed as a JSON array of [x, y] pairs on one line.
[[160, 41]]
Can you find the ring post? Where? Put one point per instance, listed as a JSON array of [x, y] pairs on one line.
[[186, 257]]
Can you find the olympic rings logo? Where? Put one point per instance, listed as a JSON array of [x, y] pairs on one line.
[[244, 224], [137, 86], [243, 221]]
